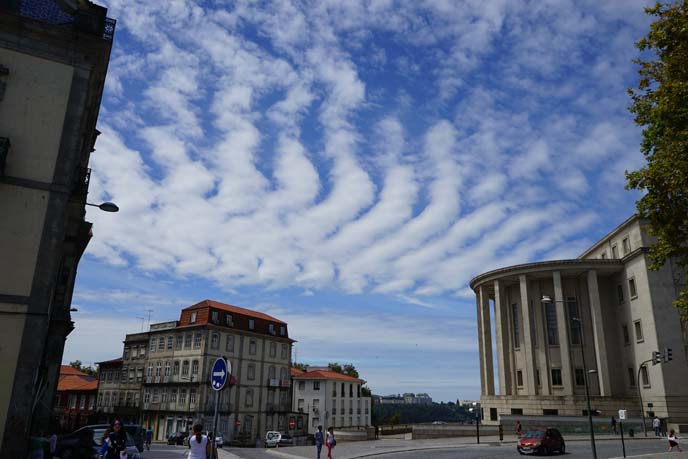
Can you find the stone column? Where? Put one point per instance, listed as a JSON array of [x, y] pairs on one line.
[[563, 332], [501, 325], [485, 337], [541, 331], [527, 336], [481, 355], [598, 334]]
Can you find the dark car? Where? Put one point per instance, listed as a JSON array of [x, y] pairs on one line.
[[85, 442], [286, 440], [177, 438], [541, 441]]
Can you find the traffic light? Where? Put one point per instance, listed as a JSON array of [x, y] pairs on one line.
[[656, 357], [668, 355]]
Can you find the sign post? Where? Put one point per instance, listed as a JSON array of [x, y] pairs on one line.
[[622, 418], [218, 378]]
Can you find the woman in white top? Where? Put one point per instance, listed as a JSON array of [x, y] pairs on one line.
[[673, 441], [199, 445]]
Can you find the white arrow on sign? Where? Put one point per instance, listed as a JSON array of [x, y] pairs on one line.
[[221, 374]]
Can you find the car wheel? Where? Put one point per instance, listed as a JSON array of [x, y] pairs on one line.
[[562, 449], [67, 454]]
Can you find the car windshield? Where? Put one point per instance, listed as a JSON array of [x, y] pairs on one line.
[[286, 436], [534, 434], [272, 435]]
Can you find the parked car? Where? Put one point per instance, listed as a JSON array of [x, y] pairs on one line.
[[219, 440], [86, 441], [177, 438], [541, 441], [274, 439]]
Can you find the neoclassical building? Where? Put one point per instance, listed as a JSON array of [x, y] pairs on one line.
[[606, 307]]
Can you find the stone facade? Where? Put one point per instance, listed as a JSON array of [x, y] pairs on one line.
[[603, 312], [53, 61]]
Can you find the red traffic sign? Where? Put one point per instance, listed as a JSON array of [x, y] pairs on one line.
[[292, 424], [237, 423]]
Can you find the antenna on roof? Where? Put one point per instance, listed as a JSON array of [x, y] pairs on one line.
[[142, 319], [149, 315]]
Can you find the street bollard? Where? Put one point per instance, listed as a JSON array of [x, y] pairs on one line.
[[501, 432]]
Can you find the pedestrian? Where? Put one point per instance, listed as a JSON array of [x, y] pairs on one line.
[[104, 444], [614, 425], [117, 442], [519, 429], [657, 425], [199, 446], [149, 437], [673, 441], [331, 442], [319, 440]]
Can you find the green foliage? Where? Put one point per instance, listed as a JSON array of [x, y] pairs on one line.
[[79, 366], [300, 366], [660, 106], [366, 392], [395, 419], [415, 414], [346, 369]]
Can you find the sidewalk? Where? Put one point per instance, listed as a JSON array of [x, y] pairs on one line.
[[665, 455], [361, 449]]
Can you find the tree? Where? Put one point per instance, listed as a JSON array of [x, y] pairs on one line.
[[300, 366], [660, 106], [347, 369], [395, 419], [85, 369]]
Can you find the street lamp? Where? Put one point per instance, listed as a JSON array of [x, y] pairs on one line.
[[548, 299], [106, 206]]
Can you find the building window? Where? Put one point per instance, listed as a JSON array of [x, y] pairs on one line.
[[146, 395], [215, 341], [197, 341], [271, 329], [149, 371], [626, 244], [631, 288], [92, 401], [615, 252], [550, 412], [156, 395], [626, 336], [164, 395], [285, 352], [574, 325], [351, 391], [229, 321], [82, 402], [179, 342], [192, 396], [358, 392], [161, 343], [519, 378], [215, 317], [603, 255], [158, 368], [515, 322], [167, 368], [638, 331], [273, 349], [556, 377], [230, 343], [173, 396], [142, 351], [192, 319], [252, 347], [551, 319], [580, 377], [271, 372], [182, 396], [170, 342], [175, 368], [517, 411], [343, 394], [185, 368], [126, 353], [283, 330], [251, 372], [620, 293], [249, 397], [152, 344], [302, 385], [316, 385], [631, 377], [644, 376], [251, 324], [194, 367]]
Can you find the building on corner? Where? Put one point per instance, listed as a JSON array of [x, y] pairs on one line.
[[75, 401], [606, 307]]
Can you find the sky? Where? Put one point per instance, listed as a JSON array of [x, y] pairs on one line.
[[349, 166]]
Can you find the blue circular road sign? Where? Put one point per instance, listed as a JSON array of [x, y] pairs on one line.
[[219, 375]]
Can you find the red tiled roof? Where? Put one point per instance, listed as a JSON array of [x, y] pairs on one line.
[[296, 371], [80, 382], [68, 370], [321, 374], [233, 309]]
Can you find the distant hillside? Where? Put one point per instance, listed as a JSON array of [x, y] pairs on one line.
[[414, 414]]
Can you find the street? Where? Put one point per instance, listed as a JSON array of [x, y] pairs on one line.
[[159, 451], [575, 450]]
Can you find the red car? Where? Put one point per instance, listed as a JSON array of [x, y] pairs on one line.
[[541, 441]]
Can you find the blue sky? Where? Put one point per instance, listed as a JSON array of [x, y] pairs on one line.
[[349, 166]]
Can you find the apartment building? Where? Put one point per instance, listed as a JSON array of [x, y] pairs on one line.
[[75, 402], [604, 311], [330, 399], [54, 57], [174, 360]]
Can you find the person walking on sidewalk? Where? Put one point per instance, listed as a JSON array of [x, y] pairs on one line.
[[199, 446], [519, 429], [657, 425], [614, 425], [331, 442], [319, 440], [673, 441]]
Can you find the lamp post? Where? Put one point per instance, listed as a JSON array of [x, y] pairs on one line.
[[106, 206], [547, 299]]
